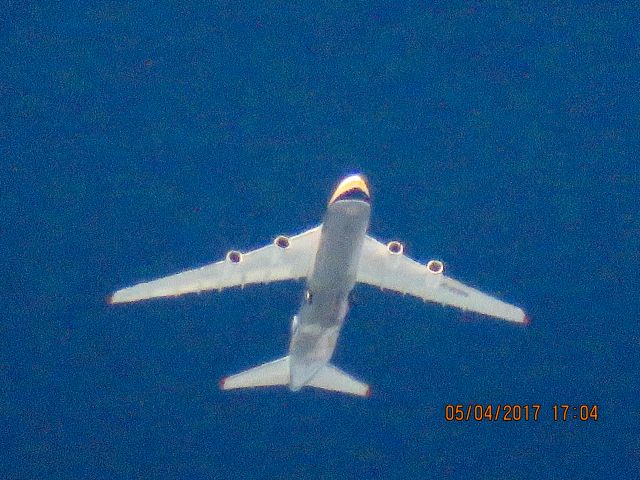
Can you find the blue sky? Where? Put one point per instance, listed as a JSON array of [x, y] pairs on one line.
[[138, 139]]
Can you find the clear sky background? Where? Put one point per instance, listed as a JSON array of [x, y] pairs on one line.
[[141, 138]]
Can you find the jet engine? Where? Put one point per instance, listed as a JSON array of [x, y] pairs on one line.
[[435, 266], [234, 256], [282, 242], [395, 248]]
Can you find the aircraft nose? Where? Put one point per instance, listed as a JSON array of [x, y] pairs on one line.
[[354, 187]]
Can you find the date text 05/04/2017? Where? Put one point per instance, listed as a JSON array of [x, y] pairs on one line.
[[518, 412]]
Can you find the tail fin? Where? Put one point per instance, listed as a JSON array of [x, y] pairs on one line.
[[267, 374], [278, 373]]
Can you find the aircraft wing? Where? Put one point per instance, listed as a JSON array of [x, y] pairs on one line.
[[386, 267], [286, 258]]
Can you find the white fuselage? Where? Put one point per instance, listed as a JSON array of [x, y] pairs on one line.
[[316, 327]]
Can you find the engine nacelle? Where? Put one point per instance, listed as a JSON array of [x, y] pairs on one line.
[[234, 256], [282, 242], [395, 248], [435, 266]]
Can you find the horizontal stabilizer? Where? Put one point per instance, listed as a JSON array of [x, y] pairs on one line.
[[267, 374], [332, 378]]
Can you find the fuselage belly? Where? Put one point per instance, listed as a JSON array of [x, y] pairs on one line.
[[317, 325]]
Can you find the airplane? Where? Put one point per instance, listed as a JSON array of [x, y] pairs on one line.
[[331, 258]]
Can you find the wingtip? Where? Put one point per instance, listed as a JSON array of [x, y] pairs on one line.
[[222, 382], [109, 299], [526, 320], [367, 394]]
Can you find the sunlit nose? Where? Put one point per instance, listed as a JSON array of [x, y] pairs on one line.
[[353, 187]]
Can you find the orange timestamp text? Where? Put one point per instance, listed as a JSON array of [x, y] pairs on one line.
[[515, 412]]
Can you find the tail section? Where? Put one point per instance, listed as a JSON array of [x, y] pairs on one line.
[[332, 378], [265, 375], [278, 373]]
